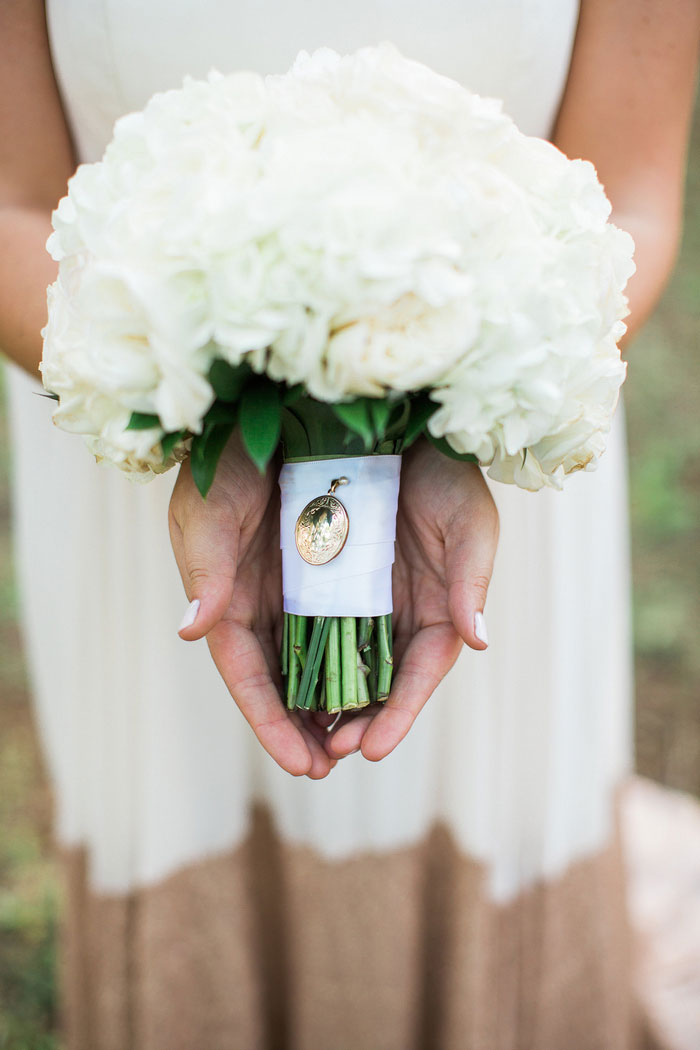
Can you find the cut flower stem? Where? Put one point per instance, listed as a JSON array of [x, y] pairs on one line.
[[336, 663]]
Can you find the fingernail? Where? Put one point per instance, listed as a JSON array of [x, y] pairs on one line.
[[190, 614], [480, 628]]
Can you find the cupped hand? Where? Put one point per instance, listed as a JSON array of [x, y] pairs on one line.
[[228, 553], [446, 538], [227, 550]]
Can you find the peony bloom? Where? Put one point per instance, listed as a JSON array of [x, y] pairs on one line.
[[360, 225]]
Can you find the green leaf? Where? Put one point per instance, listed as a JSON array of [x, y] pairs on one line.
[[292, 394], [442, 446], [221, 412], [260, 420], [53, 397], [142, 421], [228, 380], [294, 436], [380, 410], [422, 408], [355, 415], [169, 441], [324, 433], [206, 452], [398, 419]]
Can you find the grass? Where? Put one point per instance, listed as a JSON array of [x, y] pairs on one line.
[[662, 396]]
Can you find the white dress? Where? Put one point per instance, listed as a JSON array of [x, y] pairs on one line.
[[466, 891]]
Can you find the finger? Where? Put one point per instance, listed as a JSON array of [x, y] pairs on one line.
[[321, 762], [427, 659], [241, 663], [205, 544], [347, 738], [469, 558], [312, 726], [325, 719]]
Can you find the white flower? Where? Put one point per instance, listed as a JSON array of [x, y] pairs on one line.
[[360, 225]]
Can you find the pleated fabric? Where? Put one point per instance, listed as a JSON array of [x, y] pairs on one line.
[[267, 948]]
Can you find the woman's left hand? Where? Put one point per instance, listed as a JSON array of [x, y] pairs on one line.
[[446, 538]]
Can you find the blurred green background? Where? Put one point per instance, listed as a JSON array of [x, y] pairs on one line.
[[663, 411], [662, 397]]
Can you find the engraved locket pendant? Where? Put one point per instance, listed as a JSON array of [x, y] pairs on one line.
[[322, 527]]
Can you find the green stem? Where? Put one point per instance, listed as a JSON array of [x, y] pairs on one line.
[[332, 667], [386, 660], [294, 667], [284, 655], [348, 659], [299, 643], [371, 661], [307, 687], [366, 645], [364, 632], [363, 698]]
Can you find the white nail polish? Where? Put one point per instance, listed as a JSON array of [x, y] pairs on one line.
[[190, 614], [480, 628]]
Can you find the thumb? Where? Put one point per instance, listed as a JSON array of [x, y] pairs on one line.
[[469, 558], [206, 550]]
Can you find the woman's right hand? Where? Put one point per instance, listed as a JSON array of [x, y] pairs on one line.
[[228, 552], [446, 538]]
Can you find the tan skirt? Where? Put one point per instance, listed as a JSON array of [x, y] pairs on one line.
[[271, 947]]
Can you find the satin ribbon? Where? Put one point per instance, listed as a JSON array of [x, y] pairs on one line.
[[358, 581]]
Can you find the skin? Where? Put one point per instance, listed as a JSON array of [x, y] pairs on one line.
[[228, 554], [626, 107]]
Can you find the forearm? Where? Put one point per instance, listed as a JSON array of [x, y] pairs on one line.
[[36, 160], [647, 203], [656, 246], [627, 108], [25, 271]]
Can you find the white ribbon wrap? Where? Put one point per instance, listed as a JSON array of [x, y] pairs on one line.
[[358, 581]]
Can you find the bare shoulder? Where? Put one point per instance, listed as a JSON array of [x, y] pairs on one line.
[[36, 156]]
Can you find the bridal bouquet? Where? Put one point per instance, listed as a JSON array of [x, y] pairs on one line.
[[337, 261]]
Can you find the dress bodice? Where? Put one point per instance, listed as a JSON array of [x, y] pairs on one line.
[[111, 55]]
